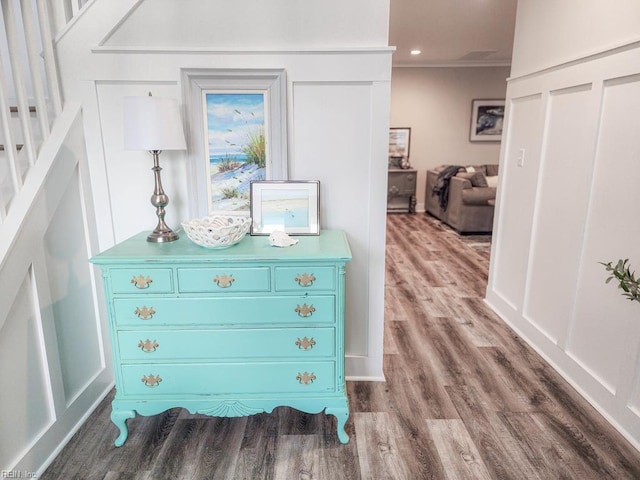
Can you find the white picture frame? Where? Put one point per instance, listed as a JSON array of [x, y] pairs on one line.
[[196, 85], [292, 207]]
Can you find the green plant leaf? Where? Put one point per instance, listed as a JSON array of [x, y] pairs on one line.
[[626, 278]]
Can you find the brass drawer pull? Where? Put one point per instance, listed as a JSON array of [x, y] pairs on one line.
[[305, 280], [224, 280], [148, 346], [144, 313], [305, 343], [151, 380], [305, 310], [141, 282], [305, 378]]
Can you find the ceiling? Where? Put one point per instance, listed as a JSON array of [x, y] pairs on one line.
[[452, 32]]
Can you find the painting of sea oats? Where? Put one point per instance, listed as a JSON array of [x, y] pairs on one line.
[[236, 147]]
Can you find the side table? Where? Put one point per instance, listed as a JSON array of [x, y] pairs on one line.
[[401, 190]]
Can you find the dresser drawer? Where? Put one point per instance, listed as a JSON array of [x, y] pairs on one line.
[[228, 378], [141, 280], [152, 312], [224, 280], [158, 345], [289, 279], [402, 183]]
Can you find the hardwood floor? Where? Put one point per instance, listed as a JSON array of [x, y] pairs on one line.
[[465, 398]]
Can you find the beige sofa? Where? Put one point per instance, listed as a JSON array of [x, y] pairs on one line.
[[470, 200]]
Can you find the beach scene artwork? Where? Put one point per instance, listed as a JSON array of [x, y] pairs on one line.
[[285, 208], [236, 147]]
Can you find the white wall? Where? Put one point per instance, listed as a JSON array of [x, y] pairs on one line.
[[338, 71], [550, 32], [436, 104], [574, 202], [253, 23]]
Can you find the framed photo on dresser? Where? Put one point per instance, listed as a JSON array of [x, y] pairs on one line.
[[292, 207]]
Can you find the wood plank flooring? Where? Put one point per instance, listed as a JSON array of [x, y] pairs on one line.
[[465, 398]]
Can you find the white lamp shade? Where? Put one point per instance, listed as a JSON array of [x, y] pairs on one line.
[[152, 123]]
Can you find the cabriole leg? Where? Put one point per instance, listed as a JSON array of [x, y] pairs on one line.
[[119, 418], [342, 415]]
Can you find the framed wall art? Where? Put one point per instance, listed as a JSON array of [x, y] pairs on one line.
[[487, 117], [399, 142], [292, 207], [237, 134], [235, 125]]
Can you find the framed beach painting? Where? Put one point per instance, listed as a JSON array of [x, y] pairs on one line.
[[292, 207], [237, 133], [487, 117]]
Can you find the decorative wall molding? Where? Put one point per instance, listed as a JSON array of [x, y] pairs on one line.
[[564, 211], [178, 50]]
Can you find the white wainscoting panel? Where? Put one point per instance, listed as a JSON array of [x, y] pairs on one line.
[[25, 401], [510, 269], [70, 287], [333, 133], [606, 330], [563, 196]]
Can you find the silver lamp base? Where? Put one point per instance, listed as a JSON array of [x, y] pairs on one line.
[[159, 199], [160, 237]]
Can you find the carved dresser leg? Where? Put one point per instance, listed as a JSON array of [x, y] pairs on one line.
[[342, 415], [119, 418]]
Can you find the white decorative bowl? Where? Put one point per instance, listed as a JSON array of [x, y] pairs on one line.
[[217, 231]]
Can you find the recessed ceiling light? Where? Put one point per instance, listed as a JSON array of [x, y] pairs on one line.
[[416, 52]]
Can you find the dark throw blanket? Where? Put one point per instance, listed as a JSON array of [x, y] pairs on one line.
[[441, 187]]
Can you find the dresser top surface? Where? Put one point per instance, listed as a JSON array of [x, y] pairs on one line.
[[330, 245]]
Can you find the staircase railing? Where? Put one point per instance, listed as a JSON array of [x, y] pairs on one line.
[[30, 95], [63, 11]]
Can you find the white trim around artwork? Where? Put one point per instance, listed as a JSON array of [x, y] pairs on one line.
[[195, 83]]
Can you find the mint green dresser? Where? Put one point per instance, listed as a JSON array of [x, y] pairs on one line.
[[229, 332]]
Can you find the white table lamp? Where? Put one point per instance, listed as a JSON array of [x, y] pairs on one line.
[[154, 124]]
